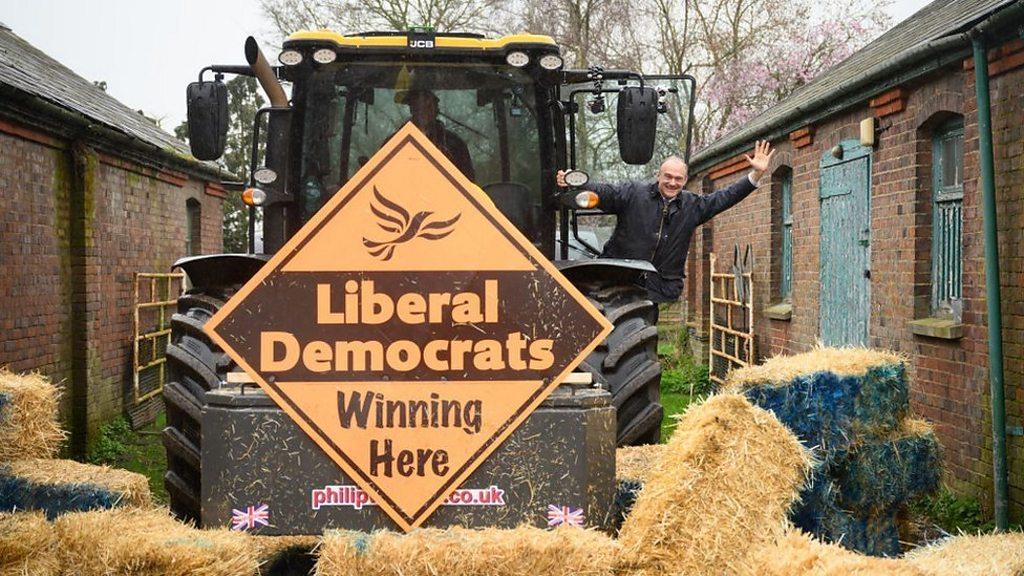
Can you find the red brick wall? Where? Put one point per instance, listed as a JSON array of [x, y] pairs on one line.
[[949, 377], [133, 220], [34, 259]]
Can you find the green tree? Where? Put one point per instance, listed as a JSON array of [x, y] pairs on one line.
[[244, 99]]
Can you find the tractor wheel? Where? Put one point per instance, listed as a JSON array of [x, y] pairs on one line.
[[626, 363], [194, 365]]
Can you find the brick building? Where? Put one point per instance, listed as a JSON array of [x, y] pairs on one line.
[[883, 244], [92, 193]]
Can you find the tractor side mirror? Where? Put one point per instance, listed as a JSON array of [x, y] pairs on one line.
[[207, 118], [637, 122]]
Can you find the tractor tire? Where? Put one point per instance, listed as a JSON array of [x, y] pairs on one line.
[[194, 365], [626, 363]]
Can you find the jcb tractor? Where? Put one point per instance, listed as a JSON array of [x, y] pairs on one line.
[[515, 109]]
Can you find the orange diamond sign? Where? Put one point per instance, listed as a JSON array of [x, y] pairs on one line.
[[408, 328]]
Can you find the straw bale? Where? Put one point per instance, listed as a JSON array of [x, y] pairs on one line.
[[525, 550], [28, 417], [145, 542], [830, 412], [27, 545], [61, 486], [798, 554], [286, 554], [990, 555], [724, 486], [879, 474], [872, 532], [780, 370], [634, 462]]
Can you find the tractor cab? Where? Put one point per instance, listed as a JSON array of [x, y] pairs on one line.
[[504, 111]]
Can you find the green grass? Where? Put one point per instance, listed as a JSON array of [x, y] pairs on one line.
[[673, 404], [139, 451], [680, 374]]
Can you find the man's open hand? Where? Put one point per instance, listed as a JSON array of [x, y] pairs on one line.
[[763, 154]]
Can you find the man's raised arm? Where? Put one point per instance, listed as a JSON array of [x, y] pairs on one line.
[[721, 200]]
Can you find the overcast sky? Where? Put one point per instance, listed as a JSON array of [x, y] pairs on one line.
[[147, 51]]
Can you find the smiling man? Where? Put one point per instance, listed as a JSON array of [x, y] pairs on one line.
[[656, 220]]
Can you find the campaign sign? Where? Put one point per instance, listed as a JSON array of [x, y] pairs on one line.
[[408, 328]]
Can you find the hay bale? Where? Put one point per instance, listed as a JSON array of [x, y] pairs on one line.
[[880, 474], [798, 554], [27, 545], [875, 533], [634, 462], [477, 552], [28, 417], [143, 542], [830, 396], [285, 554], [60, 486], [724, 486], [990, 555], [839, 361]]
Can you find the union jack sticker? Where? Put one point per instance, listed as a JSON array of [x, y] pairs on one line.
[[251, 517], [559, 515]]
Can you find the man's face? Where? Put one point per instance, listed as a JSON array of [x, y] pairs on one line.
[[671, 178], [423, 109]]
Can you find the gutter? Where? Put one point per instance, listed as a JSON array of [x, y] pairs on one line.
[[881, 77]]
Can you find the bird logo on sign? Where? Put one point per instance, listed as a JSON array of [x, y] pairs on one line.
[[396, 220]]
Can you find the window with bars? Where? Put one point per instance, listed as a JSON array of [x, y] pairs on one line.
[[947, 219], [193, 226], [786, 270]]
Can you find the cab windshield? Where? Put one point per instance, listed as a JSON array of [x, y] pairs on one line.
[[483, 116]]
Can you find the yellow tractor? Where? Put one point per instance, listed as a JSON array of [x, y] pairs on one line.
[[504, 110]]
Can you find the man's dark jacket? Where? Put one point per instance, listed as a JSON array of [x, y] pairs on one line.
[[659, 231]]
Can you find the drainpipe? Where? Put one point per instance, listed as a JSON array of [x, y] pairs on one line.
[[992, 289]]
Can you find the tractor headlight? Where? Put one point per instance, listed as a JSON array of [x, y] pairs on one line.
[[576, 178], [290, 57], [254, 197], [551, 62], [324, 56], [265, 175], [587, 200], [517, 59]]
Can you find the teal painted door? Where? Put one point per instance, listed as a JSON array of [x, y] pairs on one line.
[[845, 246]]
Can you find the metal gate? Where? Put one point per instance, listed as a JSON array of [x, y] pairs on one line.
[[732, 317], [155, 296], [845, 295]]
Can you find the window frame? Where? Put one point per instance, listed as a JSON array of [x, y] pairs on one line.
[[947, 237], [193, 227]]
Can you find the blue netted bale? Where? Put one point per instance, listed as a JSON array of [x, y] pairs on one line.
[[829, 397], [886, 473], [626, 492], [57, 487], [874, 534], [817, 500], [28, 417]]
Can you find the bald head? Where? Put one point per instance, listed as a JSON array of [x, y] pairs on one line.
[[672, 177]]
